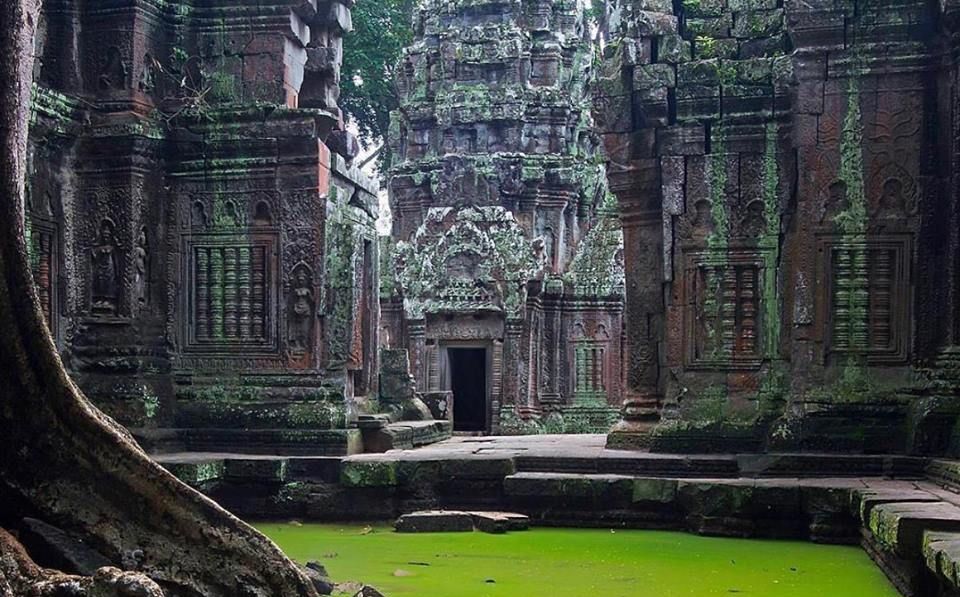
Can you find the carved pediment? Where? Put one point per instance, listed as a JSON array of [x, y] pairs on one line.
[[469, 260]]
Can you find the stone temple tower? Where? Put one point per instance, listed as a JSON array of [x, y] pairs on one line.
[[505, 281]]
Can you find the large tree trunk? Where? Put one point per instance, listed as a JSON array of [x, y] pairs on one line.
[[60, 458]]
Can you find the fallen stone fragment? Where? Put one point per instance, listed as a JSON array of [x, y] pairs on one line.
[[500, 522], [435, 521]]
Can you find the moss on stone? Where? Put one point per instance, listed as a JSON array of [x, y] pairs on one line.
[[359, 473]]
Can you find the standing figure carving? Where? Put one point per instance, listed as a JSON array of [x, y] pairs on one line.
[[104, 271], [302, 303], [141, 274]]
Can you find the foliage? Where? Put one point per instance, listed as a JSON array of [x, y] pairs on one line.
[[706, 46], [371, 54]]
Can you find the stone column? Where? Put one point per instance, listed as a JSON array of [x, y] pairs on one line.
[[509, 391], [638, 193], [416, 330]]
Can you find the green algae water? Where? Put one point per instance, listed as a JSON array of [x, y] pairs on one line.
[[580, 563]]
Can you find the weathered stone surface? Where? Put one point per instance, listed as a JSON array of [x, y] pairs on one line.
[[437, 521], [203, 250], [662, 491], [500, 522], [54, 548], [864, 501], [501, 217], [941, 553], [368, 474], [756, 74], [899, 527]]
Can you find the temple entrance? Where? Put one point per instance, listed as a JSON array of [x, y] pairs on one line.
[[468, 382]]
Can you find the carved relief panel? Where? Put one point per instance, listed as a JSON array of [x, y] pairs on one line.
[[44, 262], [105, 271], [44, 252]]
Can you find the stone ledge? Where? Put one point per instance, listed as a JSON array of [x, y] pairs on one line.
[[899, 527], [941, 553]]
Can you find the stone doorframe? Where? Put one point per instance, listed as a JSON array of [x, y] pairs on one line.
[[441, 364]]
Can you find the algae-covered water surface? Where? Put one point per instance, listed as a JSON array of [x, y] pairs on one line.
[[580, 563]]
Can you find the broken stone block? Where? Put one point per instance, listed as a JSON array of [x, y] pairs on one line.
[[500, 522], [758, 24]]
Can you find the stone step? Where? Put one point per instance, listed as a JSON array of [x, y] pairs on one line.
[[865, 500], [729, 466], [276, 442], [659, 465], [941, 554], [380, 436], [899, 527], [200, 470]]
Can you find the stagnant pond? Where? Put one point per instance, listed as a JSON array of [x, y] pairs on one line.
[[580, 562]]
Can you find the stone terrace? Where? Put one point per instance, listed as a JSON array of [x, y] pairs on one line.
[[905, 511]]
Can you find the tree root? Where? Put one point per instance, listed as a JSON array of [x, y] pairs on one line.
[[20, 576]]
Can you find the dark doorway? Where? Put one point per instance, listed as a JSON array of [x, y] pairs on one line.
[[468, 381]]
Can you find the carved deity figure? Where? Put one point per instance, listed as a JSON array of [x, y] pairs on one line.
[[147, 81], [697, 224], [836, 202], [754, 222], [105, 271], [892, 201], [540, 255], [301, 310], [140, 261], [114, 73]]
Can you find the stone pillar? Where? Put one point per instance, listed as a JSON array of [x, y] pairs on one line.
[[510, 389], [638, 192], [416, 331]]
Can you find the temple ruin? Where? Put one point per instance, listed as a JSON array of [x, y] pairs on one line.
[[206, 256], [730, 226], [676, 264], [506, 284]]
